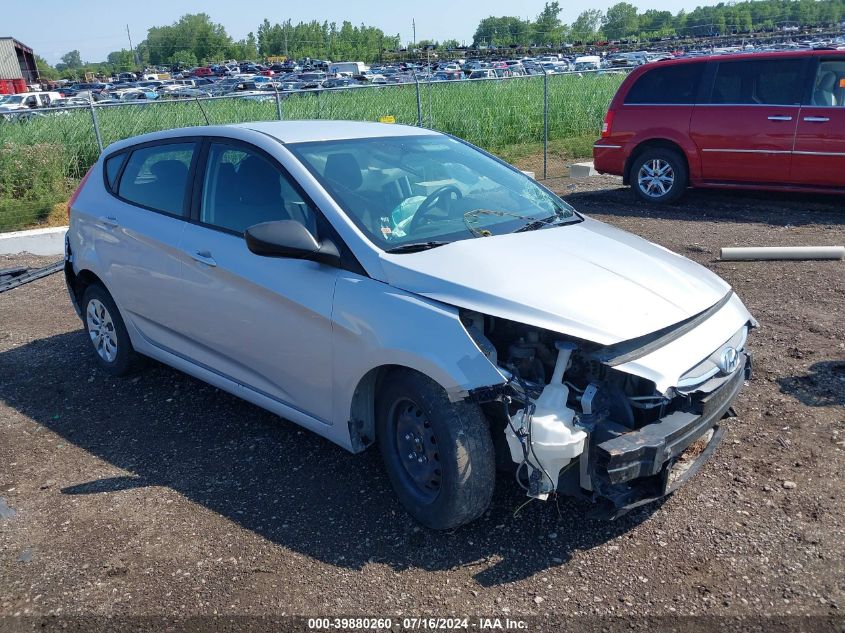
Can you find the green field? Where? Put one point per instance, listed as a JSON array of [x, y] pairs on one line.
[[41, 159]]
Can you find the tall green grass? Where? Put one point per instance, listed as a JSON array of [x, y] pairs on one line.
[[500, 116]]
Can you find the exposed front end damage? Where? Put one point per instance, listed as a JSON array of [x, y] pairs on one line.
[[612, 425]]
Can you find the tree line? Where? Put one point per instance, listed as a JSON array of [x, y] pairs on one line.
[[195, 39], [624, 21]]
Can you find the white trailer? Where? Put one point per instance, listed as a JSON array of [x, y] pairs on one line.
[[350, 68]]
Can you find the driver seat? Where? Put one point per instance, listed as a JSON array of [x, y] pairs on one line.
[[345, 177]]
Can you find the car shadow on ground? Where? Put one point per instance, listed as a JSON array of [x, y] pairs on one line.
[[823, 386], [269, 476], [712, 205]]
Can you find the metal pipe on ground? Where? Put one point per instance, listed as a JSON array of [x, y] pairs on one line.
[[766, 253]]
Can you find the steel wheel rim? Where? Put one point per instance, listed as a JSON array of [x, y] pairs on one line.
[[101, 330], [416, 449], [656, 177]]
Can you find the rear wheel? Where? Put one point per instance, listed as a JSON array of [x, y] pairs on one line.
[[659, 176], [438, 454], [107, 332]]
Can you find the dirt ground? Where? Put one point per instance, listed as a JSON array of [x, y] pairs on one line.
[[159, 494]]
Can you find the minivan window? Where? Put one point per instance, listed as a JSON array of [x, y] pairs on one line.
[[758, 82], [242, 188], [829, 87], [157, 177], [676, 84]]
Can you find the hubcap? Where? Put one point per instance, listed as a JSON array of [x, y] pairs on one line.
[[416, 446], [101, 330], [656, 177]]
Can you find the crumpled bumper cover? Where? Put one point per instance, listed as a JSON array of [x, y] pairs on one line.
[[632, 468]]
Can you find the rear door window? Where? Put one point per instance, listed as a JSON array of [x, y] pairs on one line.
[[829, 86], [156, 177], [759, 82], [675, 84]]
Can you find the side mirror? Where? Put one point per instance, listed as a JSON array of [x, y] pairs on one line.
[[287, 238]]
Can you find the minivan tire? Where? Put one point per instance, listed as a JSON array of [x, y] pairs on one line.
[[106, 331], [657, 169], [438, 454]]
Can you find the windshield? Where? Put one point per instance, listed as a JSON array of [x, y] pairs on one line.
[[429, 190], [12, 99]]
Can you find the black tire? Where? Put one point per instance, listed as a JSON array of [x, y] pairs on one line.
[[125, 358], [454, 439], [651, 190]]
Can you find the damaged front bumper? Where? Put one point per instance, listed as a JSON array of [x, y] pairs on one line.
[[621, 469]]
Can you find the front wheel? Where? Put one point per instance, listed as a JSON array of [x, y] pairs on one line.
[[438, 454], [659, 176]]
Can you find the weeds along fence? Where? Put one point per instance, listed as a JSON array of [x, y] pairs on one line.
[[536, 120]]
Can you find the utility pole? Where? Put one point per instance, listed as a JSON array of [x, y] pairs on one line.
[[285, 29], [414, 26], [134, 54]]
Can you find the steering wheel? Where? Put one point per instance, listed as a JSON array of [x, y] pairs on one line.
[[428, 204]]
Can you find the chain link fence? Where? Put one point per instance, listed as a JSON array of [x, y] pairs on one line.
[[538, 122]]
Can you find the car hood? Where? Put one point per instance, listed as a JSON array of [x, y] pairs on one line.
[[587, 280]]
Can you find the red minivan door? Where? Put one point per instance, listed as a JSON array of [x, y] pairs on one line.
[[745, 130], [819, 156]]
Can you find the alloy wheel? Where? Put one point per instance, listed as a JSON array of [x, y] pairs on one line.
[[656, 177], [101, 330]]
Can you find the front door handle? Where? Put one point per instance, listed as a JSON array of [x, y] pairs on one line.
[[816, 119], [109, 221], [203, 257], [780, 117]]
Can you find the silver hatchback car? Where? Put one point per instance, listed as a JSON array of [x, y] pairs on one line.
[[389, 284]]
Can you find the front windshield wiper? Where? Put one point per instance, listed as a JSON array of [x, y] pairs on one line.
[[531, 223], [539, 224], [414, 247]]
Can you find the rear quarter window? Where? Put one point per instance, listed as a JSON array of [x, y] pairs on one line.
[[112, 168], [676, 84]]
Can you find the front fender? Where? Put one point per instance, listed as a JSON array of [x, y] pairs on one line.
[[377, 325]]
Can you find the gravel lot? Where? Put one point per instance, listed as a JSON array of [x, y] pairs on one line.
[[158, 494]]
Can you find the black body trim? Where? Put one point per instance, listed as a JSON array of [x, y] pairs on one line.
[[645, 452], [635, 348]]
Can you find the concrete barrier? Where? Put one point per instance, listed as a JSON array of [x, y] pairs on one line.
[[36, 241], [582, 170]]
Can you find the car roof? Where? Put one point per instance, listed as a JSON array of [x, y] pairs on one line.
[[302, 131], [746, 55], [287, 131]]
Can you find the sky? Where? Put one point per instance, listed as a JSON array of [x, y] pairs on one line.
[[97, 27]]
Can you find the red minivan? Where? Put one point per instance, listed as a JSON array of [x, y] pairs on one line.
[[753, 120]]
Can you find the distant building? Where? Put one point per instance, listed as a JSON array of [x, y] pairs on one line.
[[17, 66]]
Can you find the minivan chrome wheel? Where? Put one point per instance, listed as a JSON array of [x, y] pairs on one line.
[[656, 178], [101, 330], [658, 175]]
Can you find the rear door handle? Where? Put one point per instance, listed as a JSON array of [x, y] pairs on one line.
[[109, 221], [816, 119], [780, 117], [203, 257]]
